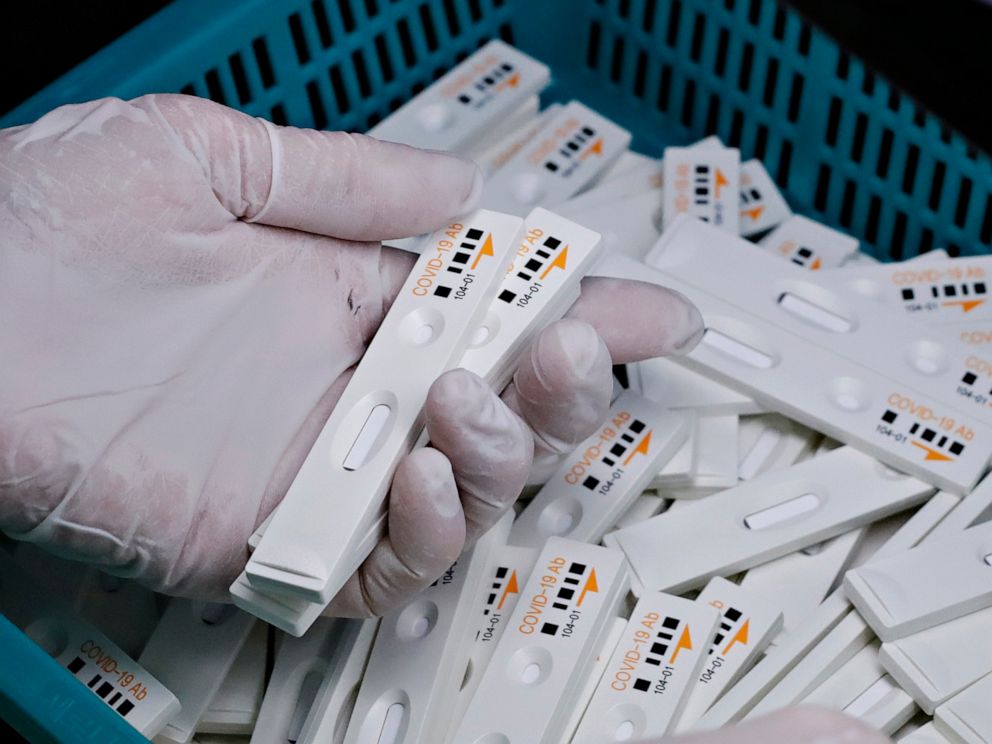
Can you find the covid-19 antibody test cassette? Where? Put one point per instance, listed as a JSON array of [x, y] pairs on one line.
[[654, 667], [933, 584], [967, 717], [840, 365], [762, 206], [569, 152], [765, 518], [316, 539], [539, 665], [704, 183], [234, 708], [467, 102], [604, 474], [809, 244], [772, 442]]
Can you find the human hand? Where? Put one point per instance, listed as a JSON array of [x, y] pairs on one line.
[[184, 293]]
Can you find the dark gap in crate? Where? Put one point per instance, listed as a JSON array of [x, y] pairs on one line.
[[778, 28], [214, 90], [712, 114], [847, 204], [894, 99], [986, 234], [623, 9], [647, 19], [926, 240], [722, 45], [754, 12], [736, 128], [822, 188], [506, 33], [688, 102], [261, 51], [340, 91], [299, 40], [394, 104], [784, 164], [616, 61], [909, 172], [323, 25], [240, 78], [371, 8], [427, 23], [971, 152], [945, 134], [795, 97], [406, 42], [592, 48], [805, 39], [475, 10], [674, 16], [640, 73], [858, 142], [316, 106], [843, 65], [498, 3], [438, 73], [461, 57], [868, 83], [451, 17], [771, 82], [417, 88], [373, 119], [761, 142], [744, 73], [728, 4], [964, 197], [919, 116], [953, 250], [937, 185], [362, 73], [664, 88], [898, 237], [698, 31], [874, 211], [385, 63], [347, 15], [278, 115], [833, 121], [884, 153], [188, 89]]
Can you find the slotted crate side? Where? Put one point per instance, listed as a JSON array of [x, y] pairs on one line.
[[847, 148]]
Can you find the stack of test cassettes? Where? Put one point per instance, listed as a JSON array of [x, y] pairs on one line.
[[793, 512]]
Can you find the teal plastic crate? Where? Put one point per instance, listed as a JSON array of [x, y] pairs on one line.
[[846, 147]]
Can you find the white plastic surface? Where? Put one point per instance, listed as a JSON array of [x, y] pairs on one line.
[[770, 442], [497, 155], [843, 688], [604, 474], [234, 707], [681, 466], [541, 662], [642, 176], [703, 183], [569, 152], [939, 662], [885, 386], [679, 387], [630, 224], [747, 626], [711, 538], [927, 734], [809, 244], [967, 717], [645, 506], [467, 102], [716, 453], [762, 206], [314, 542], [653, 668], [603, 656], [884, 706]]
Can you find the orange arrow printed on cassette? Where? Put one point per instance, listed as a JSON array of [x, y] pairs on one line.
[[721, 181], [511, 588], [559, 263], [641, 449], [596, 148], [932, 454], [486, 250], [739, 637], [966, 305], [816, 265], [685, 642], [754, 214], [591, 585]]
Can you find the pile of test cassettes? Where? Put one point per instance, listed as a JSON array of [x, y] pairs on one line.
[[794, 512]]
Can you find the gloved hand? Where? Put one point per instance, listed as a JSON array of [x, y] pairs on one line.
[[184, 291]]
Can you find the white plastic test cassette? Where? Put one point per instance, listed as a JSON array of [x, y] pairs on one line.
[[841, 365], [884, 706], [954, 291], [317, 539], [629, 225], [932, 584], [603, 657], [926, 734], [508, 130], [562, 159], [679, 387], [716, 455], [772, 442], [762, 519], [681, 466], [809, 244], [703, 183], [467, 102], [654, 666], [851, 679], [234, 707], [499, 154], [762, 205], [549, 646], [747, 626], [191, 652], [419, 656], [123, 684], [937, 663], [604, 474], [645, 506], [643, 177], [967, 717]]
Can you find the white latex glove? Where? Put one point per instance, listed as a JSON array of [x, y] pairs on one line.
[[801, 725], [184, 291]]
